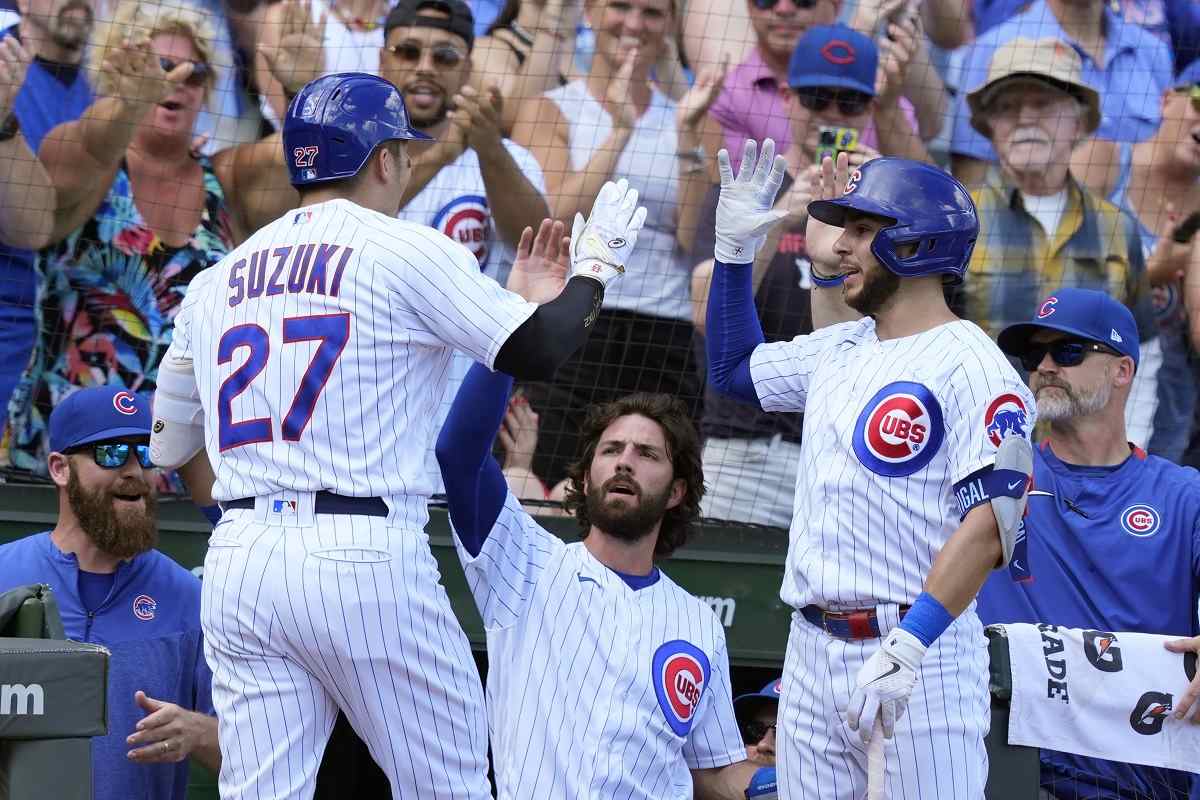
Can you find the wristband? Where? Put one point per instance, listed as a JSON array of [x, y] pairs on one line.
[[927, 619]]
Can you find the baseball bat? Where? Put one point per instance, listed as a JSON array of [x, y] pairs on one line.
[[875, 768]]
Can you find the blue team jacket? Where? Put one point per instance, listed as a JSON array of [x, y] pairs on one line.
[[1115, 549], [151, 623]]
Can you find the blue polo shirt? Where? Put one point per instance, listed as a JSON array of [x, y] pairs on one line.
[[1114, 549], [51, 95], [150, 620], [1135, 72]]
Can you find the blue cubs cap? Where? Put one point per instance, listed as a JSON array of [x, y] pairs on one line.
[[747, 704], [98, 414], [836, 56], [1085, 313]]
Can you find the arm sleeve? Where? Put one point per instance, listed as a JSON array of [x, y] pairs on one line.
[[715, 740], [783, 371], [732, 331], [552, 333], [178, 431], [475, 486]]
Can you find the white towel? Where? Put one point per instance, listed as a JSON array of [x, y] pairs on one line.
[[1099, 694]]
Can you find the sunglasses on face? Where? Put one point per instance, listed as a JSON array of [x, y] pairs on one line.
[[1065, 352], [444, 56], [113, 455], [754, 731], [818, 99], [767, 5], [199, 75]]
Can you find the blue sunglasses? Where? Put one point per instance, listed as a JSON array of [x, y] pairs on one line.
[[113, 455]]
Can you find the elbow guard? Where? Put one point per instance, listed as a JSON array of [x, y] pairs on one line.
[[178, 430], [1005, 486]]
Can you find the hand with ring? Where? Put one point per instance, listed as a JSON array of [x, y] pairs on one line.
[[168, 733]]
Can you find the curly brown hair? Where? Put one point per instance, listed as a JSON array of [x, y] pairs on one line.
[[683, 448]]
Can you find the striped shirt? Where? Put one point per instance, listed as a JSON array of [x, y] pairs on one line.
[[596, 689], [889, 427]]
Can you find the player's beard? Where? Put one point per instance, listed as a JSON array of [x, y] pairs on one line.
[[625, 520], [1063, 402], [121, 534], [879, 285]]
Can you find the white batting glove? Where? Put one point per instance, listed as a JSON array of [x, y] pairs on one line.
[[601, 245], [744, 213], [884, 684]]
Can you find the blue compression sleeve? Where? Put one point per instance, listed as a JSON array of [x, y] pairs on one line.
[[733, 331], [475, 485]]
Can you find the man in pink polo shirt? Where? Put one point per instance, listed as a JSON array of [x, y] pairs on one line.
[[753, 104]]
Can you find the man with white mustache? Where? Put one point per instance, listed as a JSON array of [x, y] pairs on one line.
[[1039, 228], [1112, 531]]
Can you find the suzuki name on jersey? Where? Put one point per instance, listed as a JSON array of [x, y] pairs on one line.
[[294, 269]]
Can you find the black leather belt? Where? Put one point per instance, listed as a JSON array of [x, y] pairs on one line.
[[850, 625], [329, 503]]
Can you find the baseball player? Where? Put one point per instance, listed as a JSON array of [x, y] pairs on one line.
[[906, 407], [1113, 531], [607, 679], [308, 364]]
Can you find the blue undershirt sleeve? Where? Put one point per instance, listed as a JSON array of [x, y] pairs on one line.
[[475, 485], [732, 331]]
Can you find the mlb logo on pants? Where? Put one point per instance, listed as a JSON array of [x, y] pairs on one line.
[[287, 507]]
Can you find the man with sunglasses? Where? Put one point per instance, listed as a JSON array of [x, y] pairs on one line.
[[113, 588], [1039, 227], [1113, 532], [755, 102], [471, 183], [756, 713]]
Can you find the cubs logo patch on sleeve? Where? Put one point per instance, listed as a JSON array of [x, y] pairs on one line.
[[1005, 416], [899, 430], [680, 672]]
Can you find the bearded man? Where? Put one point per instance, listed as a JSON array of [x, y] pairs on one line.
[[114, 589], [1103, 517]]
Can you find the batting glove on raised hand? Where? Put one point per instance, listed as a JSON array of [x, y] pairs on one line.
[[884, 684], [601, 245], [744, 213]]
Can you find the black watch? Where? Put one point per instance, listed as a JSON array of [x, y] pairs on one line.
[[10, 128]]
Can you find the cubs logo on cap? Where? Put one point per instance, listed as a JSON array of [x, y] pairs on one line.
[[838, 51], [468, 221], [1141, 520], [125, 403], [680, 672], [899, 430], [144, 607], [852, 181], [1047, 308], [1005, 416]]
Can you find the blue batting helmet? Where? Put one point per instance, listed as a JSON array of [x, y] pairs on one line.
[[335, 122], [928, 208]]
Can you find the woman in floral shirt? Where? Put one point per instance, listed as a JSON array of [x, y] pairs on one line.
[[138, 213]]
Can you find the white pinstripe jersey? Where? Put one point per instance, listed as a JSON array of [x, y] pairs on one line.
[[595, 690], [321, 347], [889, 428]]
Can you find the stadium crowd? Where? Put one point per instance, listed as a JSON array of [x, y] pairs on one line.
[[120, 184], [139, 144]]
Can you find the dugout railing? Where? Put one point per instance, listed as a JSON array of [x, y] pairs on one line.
[[736, 569]]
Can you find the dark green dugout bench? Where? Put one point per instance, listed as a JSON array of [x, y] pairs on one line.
[[737, 570]]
